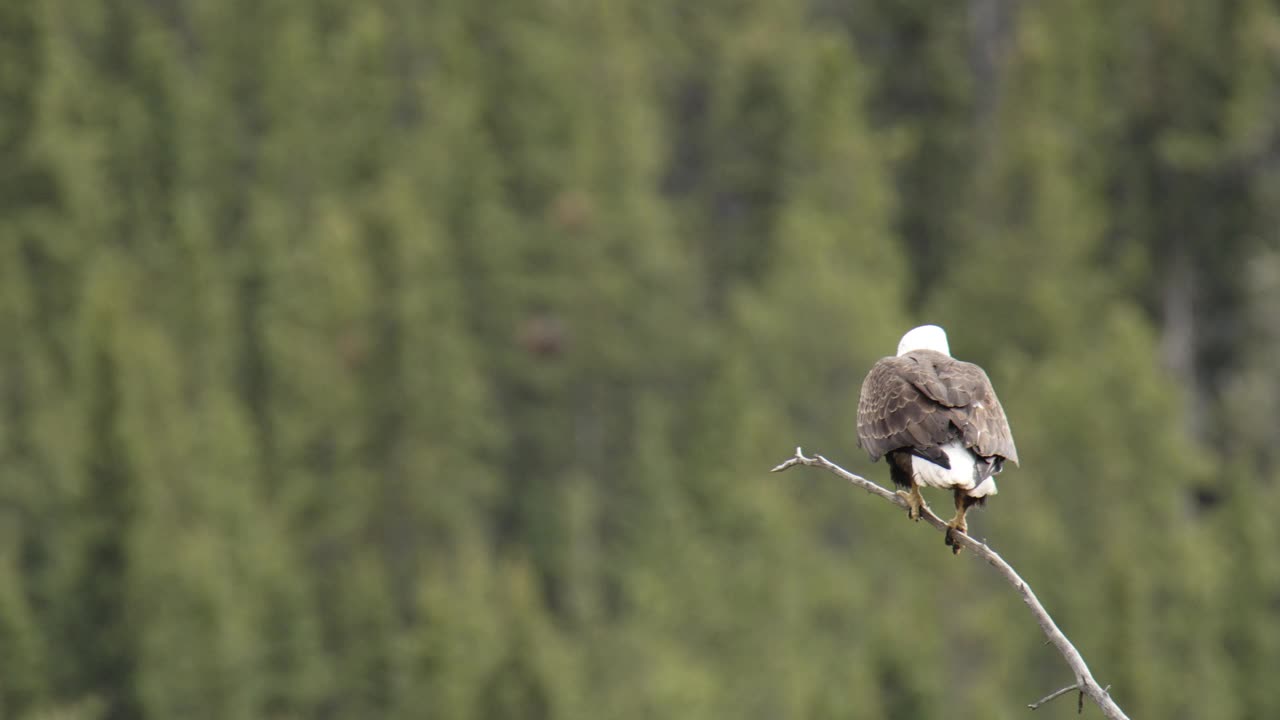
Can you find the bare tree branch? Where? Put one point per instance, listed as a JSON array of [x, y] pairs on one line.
[[1056, 693], [1084, 679], [1063, 691]]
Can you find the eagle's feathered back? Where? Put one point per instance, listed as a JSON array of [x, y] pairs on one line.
[[924, 399]]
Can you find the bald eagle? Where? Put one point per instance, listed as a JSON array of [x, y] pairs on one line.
[[937, 422]]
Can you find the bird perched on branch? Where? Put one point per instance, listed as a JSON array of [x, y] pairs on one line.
[[937, 422]]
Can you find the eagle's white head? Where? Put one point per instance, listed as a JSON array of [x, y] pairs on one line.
[[925, 337]]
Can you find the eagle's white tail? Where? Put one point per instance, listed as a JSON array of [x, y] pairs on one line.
[[961, 475]]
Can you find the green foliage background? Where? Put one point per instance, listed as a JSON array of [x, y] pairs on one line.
[[404, 359]]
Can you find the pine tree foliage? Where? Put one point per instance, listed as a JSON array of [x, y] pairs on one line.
[[399, 359]]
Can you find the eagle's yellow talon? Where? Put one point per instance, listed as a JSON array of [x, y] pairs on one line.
[[956, 525], [914, 500]]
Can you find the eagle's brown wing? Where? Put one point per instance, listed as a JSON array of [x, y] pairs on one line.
[[975, 409], [923, 399], [894, 413]]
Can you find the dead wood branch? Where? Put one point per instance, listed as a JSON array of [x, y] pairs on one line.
[[1084, 679]]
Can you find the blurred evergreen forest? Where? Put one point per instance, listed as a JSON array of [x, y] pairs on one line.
[[408, 359]]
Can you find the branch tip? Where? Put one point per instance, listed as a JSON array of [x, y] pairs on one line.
[[797, 459], [1055, 694]]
